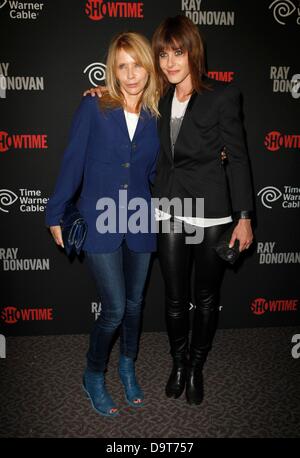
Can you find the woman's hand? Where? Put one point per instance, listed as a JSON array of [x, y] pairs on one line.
[[243, 233], [99, 91], [57, 235]]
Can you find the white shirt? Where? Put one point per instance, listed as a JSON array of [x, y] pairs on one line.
[[131, 121], [177, 114]]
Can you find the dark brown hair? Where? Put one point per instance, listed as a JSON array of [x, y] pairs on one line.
[[180, 32]]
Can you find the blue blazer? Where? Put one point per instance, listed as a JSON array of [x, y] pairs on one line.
[[101, 157]]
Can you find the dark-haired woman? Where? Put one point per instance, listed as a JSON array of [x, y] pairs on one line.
[[199, 117]]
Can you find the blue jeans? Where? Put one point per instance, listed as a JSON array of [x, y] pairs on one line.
[[120, 278]]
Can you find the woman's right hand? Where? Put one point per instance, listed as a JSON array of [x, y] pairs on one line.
[[99, 91], [57, 235]]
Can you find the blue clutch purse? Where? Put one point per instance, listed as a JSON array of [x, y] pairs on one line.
[[74, 229]]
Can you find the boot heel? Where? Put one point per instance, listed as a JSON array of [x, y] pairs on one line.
[[176, 382], [194, 386], [94, 387]]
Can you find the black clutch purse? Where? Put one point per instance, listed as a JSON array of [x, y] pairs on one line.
[[222, 247], [74, 229]]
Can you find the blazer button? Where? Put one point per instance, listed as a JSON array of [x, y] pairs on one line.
[[126, 165], [125, 186], [133, 146]]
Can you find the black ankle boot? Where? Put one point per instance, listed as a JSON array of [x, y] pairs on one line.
[[176, 383], [194, 385], [177, 320]]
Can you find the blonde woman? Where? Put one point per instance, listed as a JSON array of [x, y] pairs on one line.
[[113, 147]]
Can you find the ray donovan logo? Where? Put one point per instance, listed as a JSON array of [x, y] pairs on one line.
[[18, 83], [193, 10], [11, 261], [96, 309], [22, 10], [97, 10], [268, 254], [282, 82]]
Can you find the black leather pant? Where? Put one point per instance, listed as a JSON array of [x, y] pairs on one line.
[[176, 258]]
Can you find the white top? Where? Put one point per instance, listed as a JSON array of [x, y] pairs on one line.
[[131, 121], [177, 114]]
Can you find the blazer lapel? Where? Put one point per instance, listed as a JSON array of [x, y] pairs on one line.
[[165, 122], [186, 117], [119, 116], [166, 113], [143, 120]]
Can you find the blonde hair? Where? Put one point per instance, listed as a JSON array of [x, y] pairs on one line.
[[140, 50]]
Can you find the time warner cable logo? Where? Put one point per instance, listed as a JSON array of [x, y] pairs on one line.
[[283, 9], [96, 73]]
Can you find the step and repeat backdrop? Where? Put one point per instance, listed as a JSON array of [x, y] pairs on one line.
[[51, 51]]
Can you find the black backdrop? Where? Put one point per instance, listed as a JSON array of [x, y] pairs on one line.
[[50, 52]]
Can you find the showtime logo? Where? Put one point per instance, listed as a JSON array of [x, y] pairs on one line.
[[260, 306], [98, 9], [275, 140], [12, 315], [221, 76], [22, 141]]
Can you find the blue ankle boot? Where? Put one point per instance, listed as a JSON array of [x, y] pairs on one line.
[[133, 391], [94, 386]]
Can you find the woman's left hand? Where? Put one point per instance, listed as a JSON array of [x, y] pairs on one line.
[[243, 233]]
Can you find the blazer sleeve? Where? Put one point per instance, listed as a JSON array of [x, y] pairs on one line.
[[72, 165], [232, 132]]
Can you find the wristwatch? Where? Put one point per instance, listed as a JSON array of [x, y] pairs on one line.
[[242, 214]]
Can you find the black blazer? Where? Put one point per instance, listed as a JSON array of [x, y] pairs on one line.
[[212, 120]]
